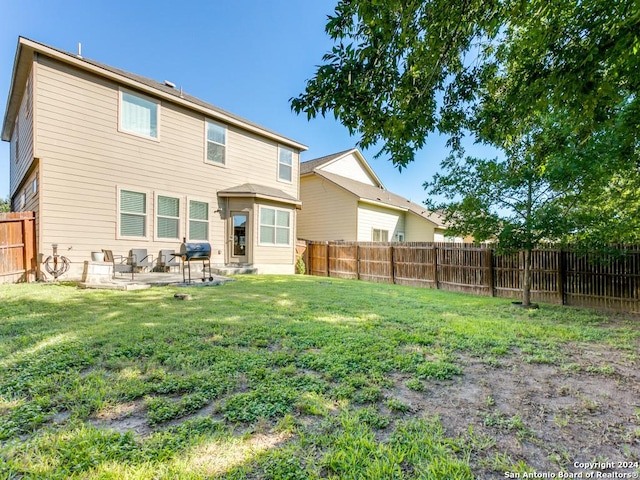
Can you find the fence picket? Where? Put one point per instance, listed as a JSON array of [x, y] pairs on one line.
[[17, 247], [558, 276]]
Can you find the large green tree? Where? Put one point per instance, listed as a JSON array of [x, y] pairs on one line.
[[552, 84], [5, 205], [517, 200], [401, 69]]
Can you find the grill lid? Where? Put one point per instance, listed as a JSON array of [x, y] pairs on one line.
[[194, 251]]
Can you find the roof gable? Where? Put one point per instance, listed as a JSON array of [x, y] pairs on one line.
[[349, 164], [379, 196]]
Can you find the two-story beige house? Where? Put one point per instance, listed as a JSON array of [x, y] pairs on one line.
[[345, 200], [111, 160]]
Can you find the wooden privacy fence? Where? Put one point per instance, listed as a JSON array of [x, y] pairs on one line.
[[562, 277], [17, 247]]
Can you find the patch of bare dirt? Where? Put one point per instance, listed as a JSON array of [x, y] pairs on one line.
[[547, 416], [124, 417]]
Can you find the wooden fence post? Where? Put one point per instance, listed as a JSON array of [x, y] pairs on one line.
[[561, 276], [358, 261], [25, 249], [490, 276], [435, 267], [393, 267], [328, 260]]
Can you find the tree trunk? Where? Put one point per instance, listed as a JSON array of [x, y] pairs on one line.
[[526, 280]]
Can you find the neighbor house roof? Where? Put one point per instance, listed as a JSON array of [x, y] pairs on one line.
[[22, 66], [310, 166], [380, 196], [254, 190]]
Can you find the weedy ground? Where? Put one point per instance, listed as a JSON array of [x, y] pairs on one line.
[[307, 377]]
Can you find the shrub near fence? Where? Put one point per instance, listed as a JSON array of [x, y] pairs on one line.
[[563, 277]]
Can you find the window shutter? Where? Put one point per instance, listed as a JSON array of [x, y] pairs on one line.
[[133, 209], [132, 225], [198, 220], [198, 230], [167, 227], [133, 202], [198, 210], [168, 206], [168, 217]]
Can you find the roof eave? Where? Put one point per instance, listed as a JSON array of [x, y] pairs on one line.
[[20, 70], [260, 196], [437, 225], [382, 204], [79, 63]]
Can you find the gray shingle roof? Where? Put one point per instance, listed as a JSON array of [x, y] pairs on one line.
[[375, 194], [309, 165], [165, 89], [254, 189]]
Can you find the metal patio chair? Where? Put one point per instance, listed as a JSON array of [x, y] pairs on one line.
[[140, 259], [121, 263], [168, 259]]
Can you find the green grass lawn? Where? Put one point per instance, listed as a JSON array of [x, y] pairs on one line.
[[267, 377]]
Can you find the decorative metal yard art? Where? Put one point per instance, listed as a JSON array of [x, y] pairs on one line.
[[55, 264]]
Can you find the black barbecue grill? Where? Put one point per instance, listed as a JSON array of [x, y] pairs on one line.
[[195, 252]]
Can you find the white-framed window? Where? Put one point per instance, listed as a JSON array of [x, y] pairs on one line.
[[23, 200], [139, 115], [275, 226], [285, 164], [400, 237], [379, 235], [216, 143], [34, 186], [198, 220], [167, 217], [132, 213]]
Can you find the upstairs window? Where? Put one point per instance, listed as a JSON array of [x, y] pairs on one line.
[[138, 115], [133, 214], [168, 224], [216, 143], [285, 164], [198, 220]]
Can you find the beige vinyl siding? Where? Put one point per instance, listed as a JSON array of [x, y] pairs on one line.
[[31, 204], [273, 259], [350, 167], [381, 218], [440, 235], [33, 199], [328, 212], [418, 229], [87, 159], [22, 138]]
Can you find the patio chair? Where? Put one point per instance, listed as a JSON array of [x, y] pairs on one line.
[[167, 259], [140, 259], [121, 263]]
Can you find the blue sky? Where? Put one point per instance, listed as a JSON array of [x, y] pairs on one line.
[[247, 56]]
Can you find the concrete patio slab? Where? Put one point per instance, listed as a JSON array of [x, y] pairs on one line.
[[148, 280]]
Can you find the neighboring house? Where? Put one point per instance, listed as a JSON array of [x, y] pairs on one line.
[[343, 199], [111, 160]]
